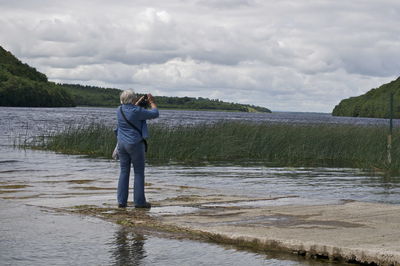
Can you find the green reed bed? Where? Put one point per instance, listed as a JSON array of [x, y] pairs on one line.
[[95, 140], [289, 145]]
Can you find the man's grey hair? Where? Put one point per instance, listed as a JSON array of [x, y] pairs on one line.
[[127, 96]]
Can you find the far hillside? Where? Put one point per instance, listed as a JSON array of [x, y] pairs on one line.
[[374, 103], [109, 97]]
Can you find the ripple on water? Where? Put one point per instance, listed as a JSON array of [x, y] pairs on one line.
[[9, 161]]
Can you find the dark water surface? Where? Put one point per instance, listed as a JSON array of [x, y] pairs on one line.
[[34, 182]]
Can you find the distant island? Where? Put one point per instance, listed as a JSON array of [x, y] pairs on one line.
[[24, 86], [374, 103]]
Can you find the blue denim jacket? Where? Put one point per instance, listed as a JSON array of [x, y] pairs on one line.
[[137, 116]]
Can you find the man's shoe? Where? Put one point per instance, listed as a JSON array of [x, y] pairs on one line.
[[121, 205], [147, 205]]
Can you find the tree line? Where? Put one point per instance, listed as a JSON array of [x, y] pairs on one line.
[[109, 97]]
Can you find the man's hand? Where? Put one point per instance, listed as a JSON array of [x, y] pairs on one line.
[[151, 100]]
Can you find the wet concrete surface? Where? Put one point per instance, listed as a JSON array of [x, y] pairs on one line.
[[354, 231]]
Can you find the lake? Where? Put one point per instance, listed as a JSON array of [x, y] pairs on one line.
[[35, 184]]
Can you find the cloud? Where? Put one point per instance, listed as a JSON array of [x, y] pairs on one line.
[[224, 4], [285, 55]]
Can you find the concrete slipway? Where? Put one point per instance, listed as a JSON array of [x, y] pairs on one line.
[[353, 231], [344, 231]]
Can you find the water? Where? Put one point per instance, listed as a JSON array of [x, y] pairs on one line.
[[16, 121], [32, 183], [57, 239]]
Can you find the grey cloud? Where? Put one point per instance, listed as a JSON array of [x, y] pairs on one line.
[[112, 73], [55, 30], [226, 3], [62, 62]]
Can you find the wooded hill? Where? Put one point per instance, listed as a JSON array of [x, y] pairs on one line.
[[374, 103], [22, 85]]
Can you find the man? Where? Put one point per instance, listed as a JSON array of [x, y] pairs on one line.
[[132, 133]]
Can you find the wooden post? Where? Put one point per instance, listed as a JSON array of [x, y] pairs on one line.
[[389, 139]]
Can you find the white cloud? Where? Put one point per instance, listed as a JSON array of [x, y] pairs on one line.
[[286, 55]]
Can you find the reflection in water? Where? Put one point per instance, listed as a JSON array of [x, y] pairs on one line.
[[128, 247]]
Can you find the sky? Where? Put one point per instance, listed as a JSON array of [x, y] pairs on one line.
[[286, 55]]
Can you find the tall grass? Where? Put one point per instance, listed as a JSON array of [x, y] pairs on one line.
[[95, 140], [290, 145]]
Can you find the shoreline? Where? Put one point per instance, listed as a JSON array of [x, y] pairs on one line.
[[160, 108]]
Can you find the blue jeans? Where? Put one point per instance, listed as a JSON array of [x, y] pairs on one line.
[[131, 154]]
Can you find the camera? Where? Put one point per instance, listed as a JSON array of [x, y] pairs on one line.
[[144, 102]]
